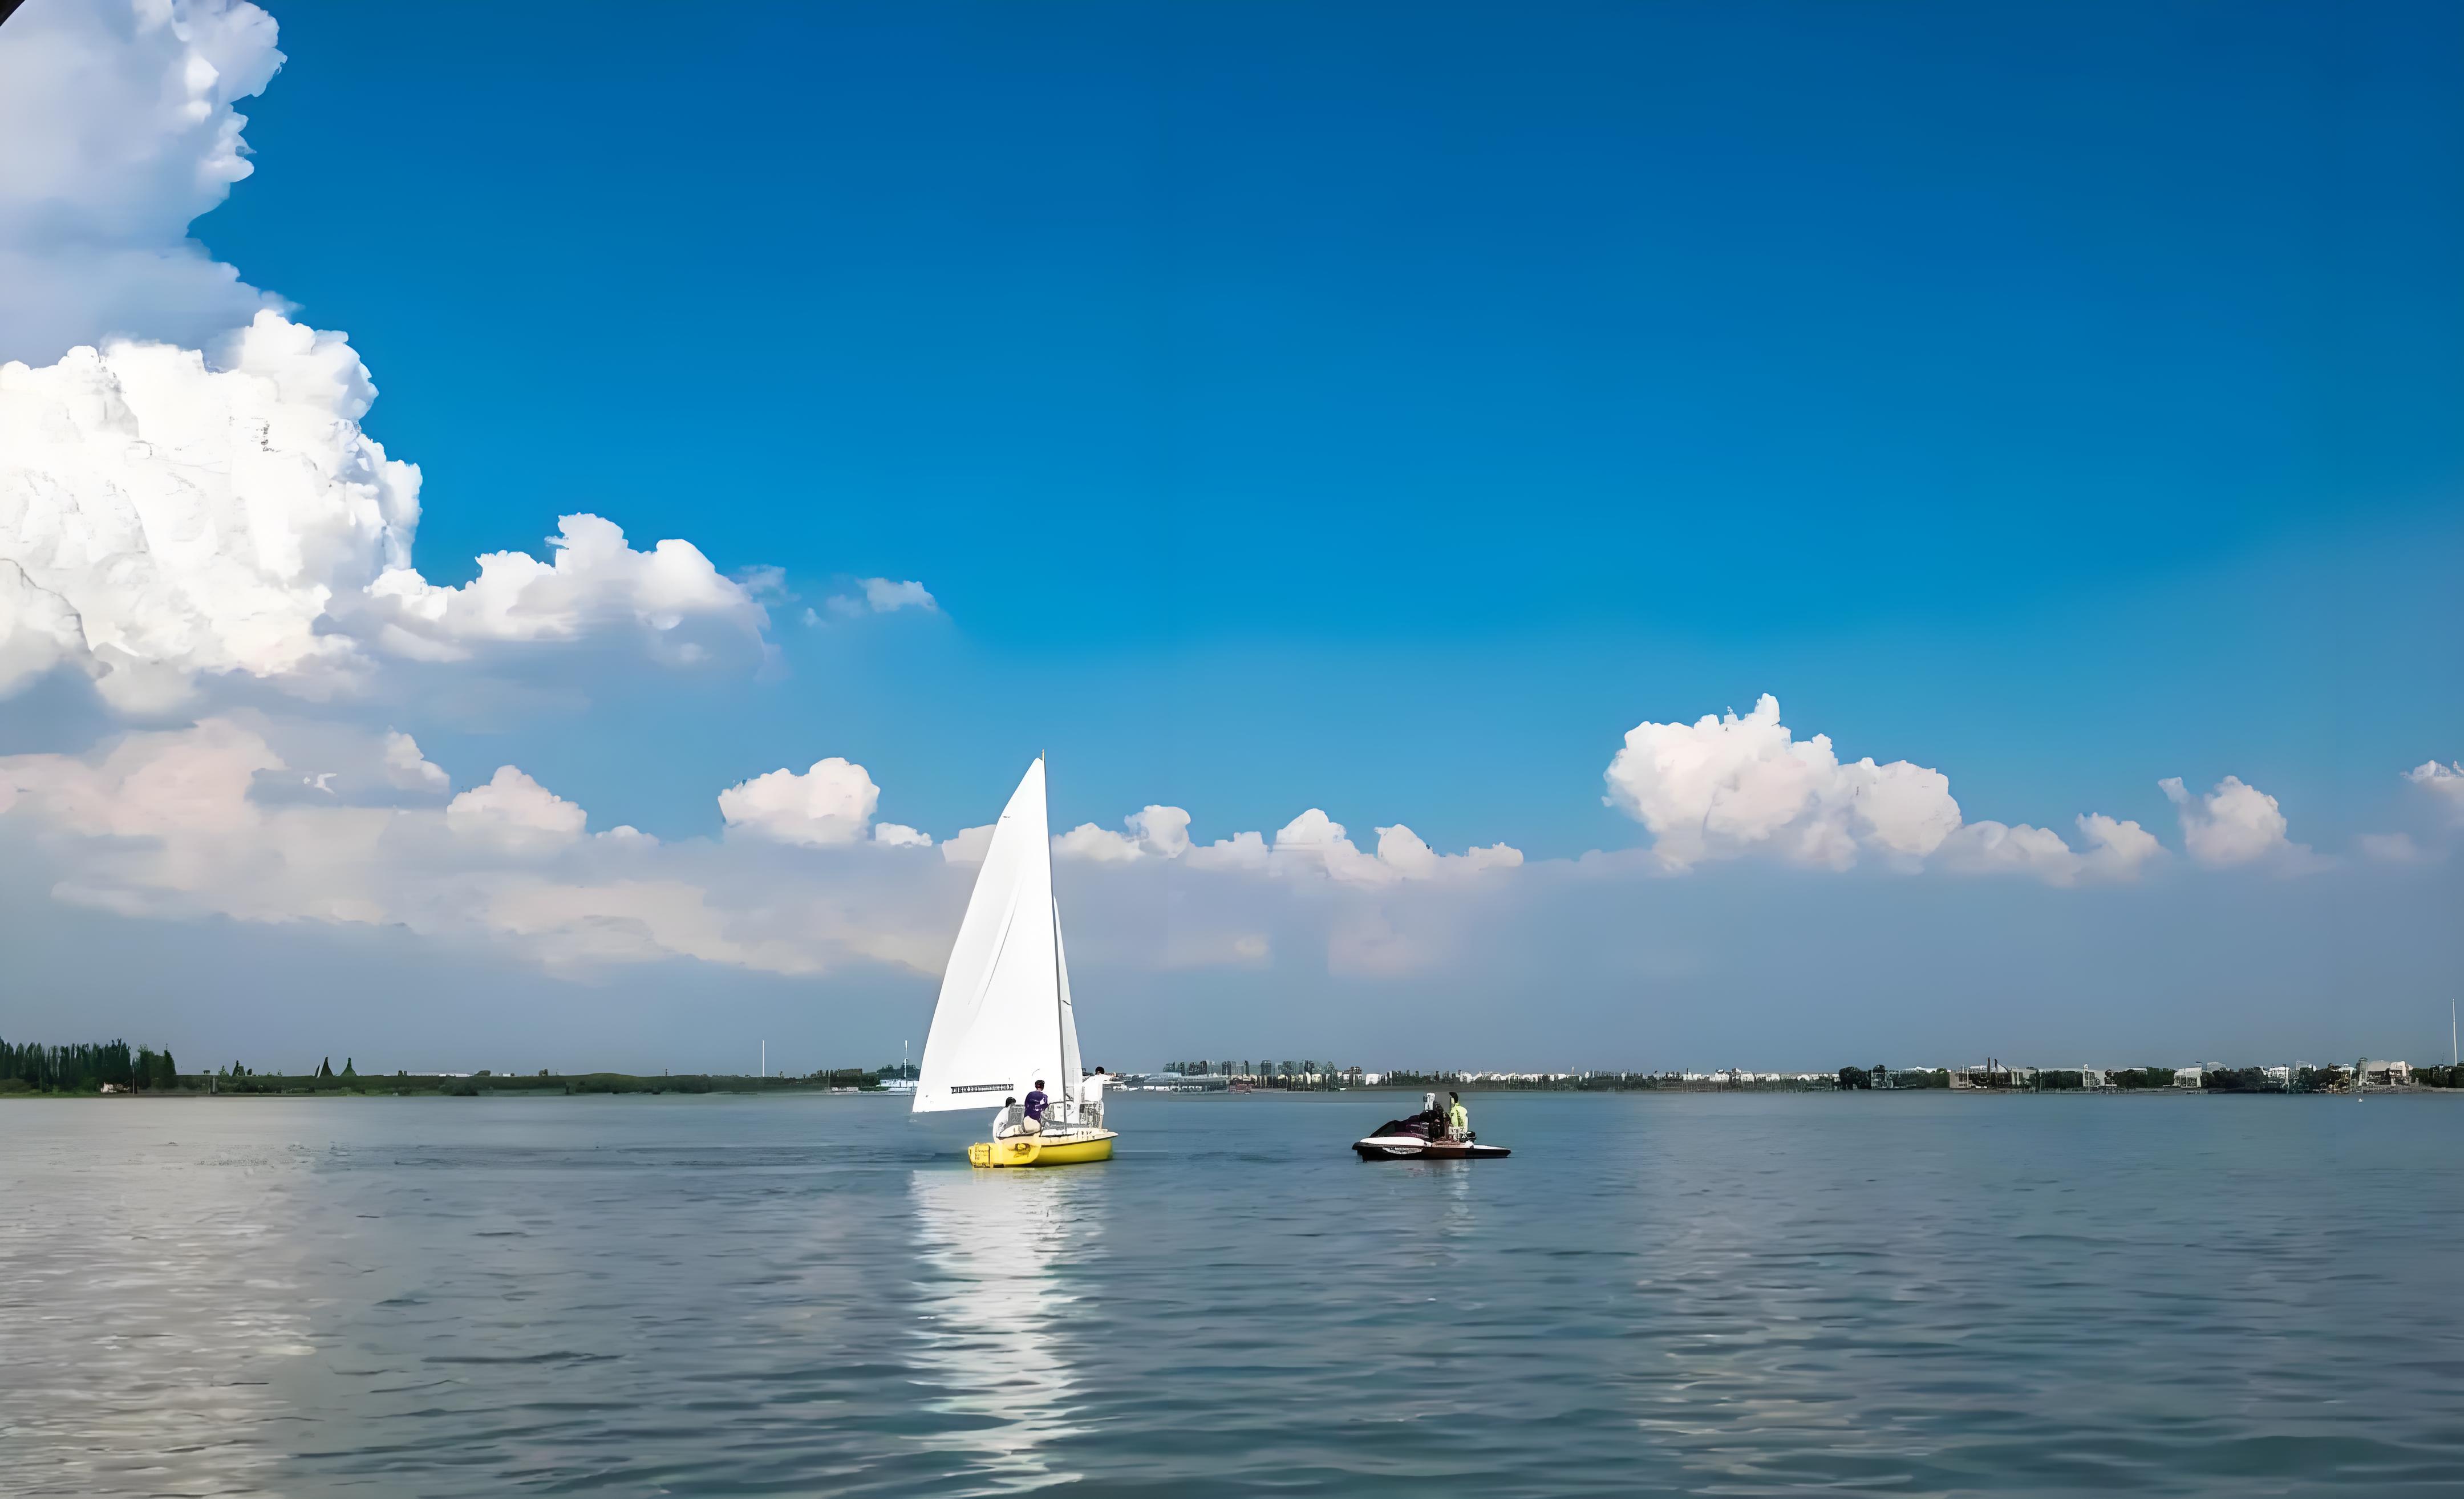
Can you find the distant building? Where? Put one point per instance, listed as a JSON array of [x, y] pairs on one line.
[[1174, 1082], [2190, 1077], [1991, 1074]]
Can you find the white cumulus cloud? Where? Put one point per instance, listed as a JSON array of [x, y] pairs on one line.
[[2115, 851], [516, 812], [160, 519], [1159, 832], [593, 582], [1310, 844], [2235, 823], [968, 844], [1315, 842], [833, 803], [177, 824], [213, 820], [120, 128], [1727, 786], [163, 520], [185, 489]]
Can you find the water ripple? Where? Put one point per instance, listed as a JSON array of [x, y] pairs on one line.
[[1755, 1295]]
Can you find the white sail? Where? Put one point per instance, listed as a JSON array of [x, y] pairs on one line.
[[1003, 1017]]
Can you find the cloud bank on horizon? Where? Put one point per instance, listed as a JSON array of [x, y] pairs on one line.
[[190, 507]]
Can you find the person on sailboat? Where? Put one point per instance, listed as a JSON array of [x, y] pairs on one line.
[[1091, 1102], [1037, 1101], [1008, 1119], [1458, 1119]]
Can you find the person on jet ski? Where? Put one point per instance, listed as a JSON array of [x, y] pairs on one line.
[[1431, 1119], [1458, 1119]]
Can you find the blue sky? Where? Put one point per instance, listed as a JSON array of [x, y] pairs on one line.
[[1405, 400], [1384, 408]]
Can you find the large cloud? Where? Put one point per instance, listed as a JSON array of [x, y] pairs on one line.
[[119, 130], [263, 819], [159, 519], [210, 506], [243, 817], [1727, 786], [266, 819], [163, 520]]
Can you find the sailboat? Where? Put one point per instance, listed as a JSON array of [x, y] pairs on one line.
[[1003, 1019]]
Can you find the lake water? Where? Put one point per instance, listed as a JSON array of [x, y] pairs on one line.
[[1699, 1293]]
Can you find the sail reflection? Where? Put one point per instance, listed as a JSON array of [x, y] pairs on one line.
[[991, 1314]]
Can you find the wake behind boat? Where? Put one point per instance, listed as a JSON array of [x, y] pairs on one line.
[[1004, 1024], [1423, 1136]]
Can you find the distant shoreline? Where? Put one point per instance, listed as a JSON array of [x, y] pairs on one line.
[[476, 1085], [1218, 1095]]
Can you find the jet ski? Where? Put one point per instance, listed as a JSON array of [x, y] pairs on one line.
[[1422, 1136]]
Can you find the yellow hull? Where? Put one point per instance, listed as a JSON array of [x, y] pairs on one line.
[[1031, 1150]]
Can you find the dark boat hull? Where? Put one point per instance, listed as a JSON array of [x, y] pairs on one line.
[[1411, 1147]]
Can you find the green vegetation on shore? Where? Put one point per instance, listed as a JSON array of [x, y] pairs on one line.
[[85, 1068], [114, 1067], [485, 1084]]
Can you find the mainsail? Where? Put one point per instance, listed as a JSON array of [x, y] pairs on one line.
[[1003, 1018]]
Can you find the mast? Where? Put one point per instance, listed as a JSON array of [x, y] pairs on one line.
[[1060, 1016]]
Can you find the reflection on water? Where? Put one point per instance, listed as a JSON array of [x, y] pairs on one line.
[[147, 1300], [991, 1317]]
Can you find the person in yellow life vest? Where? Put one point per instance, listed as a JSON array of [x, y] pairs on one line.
[[1457, 1118]]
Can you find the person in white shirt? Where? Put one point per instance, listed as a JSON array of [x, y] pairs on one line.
[[1091, 1102], [1008, 1119]]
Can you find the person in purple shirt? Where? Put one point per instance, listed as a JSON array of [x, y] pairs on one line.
[[1037, 1101]]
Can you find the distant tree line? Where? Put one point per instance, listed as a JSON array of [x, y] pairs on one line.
[[92, 1067], [238, 1079], [85, 1068]]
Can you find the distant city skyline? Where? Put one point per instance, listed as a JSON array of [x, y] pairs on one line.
[[1626, 534]]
